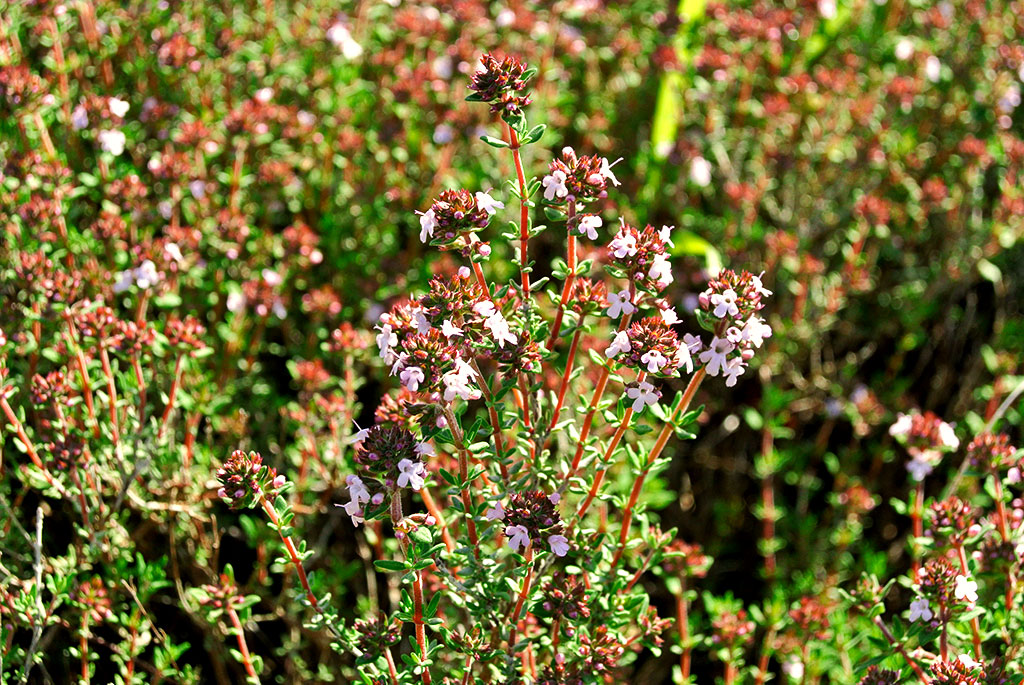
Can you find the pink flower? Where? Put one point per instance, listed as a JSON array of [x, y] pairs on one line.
[[518, 537], [559, 545]]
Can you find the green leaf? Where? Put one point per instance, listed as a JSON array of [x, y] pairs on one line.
[[494, 142], [390, 565]]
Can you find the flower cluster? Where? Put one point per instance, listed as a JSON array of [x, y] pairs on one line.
[[639, 256], [245, 480], [992, 452], [578, 179], [502, 83], [531, 516], [926, 437], [652, 346], [393, 455], [455, 216]]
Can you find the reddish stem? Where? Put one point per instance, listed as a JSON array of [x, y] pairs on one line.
[[83, 646], [467, 502], [524, 213], [659, 445], [19, 430], [242, 647], [292, 553], [683, 625], [918, 526], [570, 254], [171, 394], [417, 618], [975, 624], [524, 592], [564, 385], [899, 649], [111, 391]]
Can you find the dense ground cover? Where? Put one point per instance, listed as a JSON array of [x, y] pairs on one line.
[[282, 401]]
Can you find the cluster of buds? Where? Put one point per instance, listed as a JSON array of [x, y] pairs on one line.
[[992, 452], [455, 216], [185, 334], [51, 387], [97, 323], [393, 455], [685, 559], [261, 294], [811, 617], [564, 597], [651, 345], [246, 481], [879, 676], [531, 516], [962, 671], [926, 437], [502, 83], [65, 452], [953, 519], [374, 635], [94, 599], [639, 255], [220, 597], [588, 297], [578, 179], [732, 628]]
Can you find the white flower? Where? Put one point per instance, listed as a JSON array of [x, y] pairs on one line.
[[355, 510], [643, 395], [665, 233], [272, 278], [967, 661], [412, 474], [759, 286], [619, 303], [118, 107], [619, 345], [904, 49], [756, 330], [700, 171], [356, 489], [79, 118], [263, 95], [458, 383], [655, 360], [484, 308], [173, 252], [424, 449], [902, 426], [933, 69], [197, 188], [500, 330], [125, 280], [919, 609], [411, 377], [827, 9], [399, 362], [661, 270], [623, 245], [340, 36], [733, 369], [359, 435], [966, 589], [146, 274], [518, 537], [693, 343], [588, 225], [448, 329], [235, 302], [716, 356], [669, 316], [725, 303], [793, 667], [684, 359], [554, 185], [386, 339], [1013, 476], [488, 203], [422, 325], [559, 545], [606, 170], [497, 512], [427, 225], [112, 141], [919, 468], [948, 436]]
